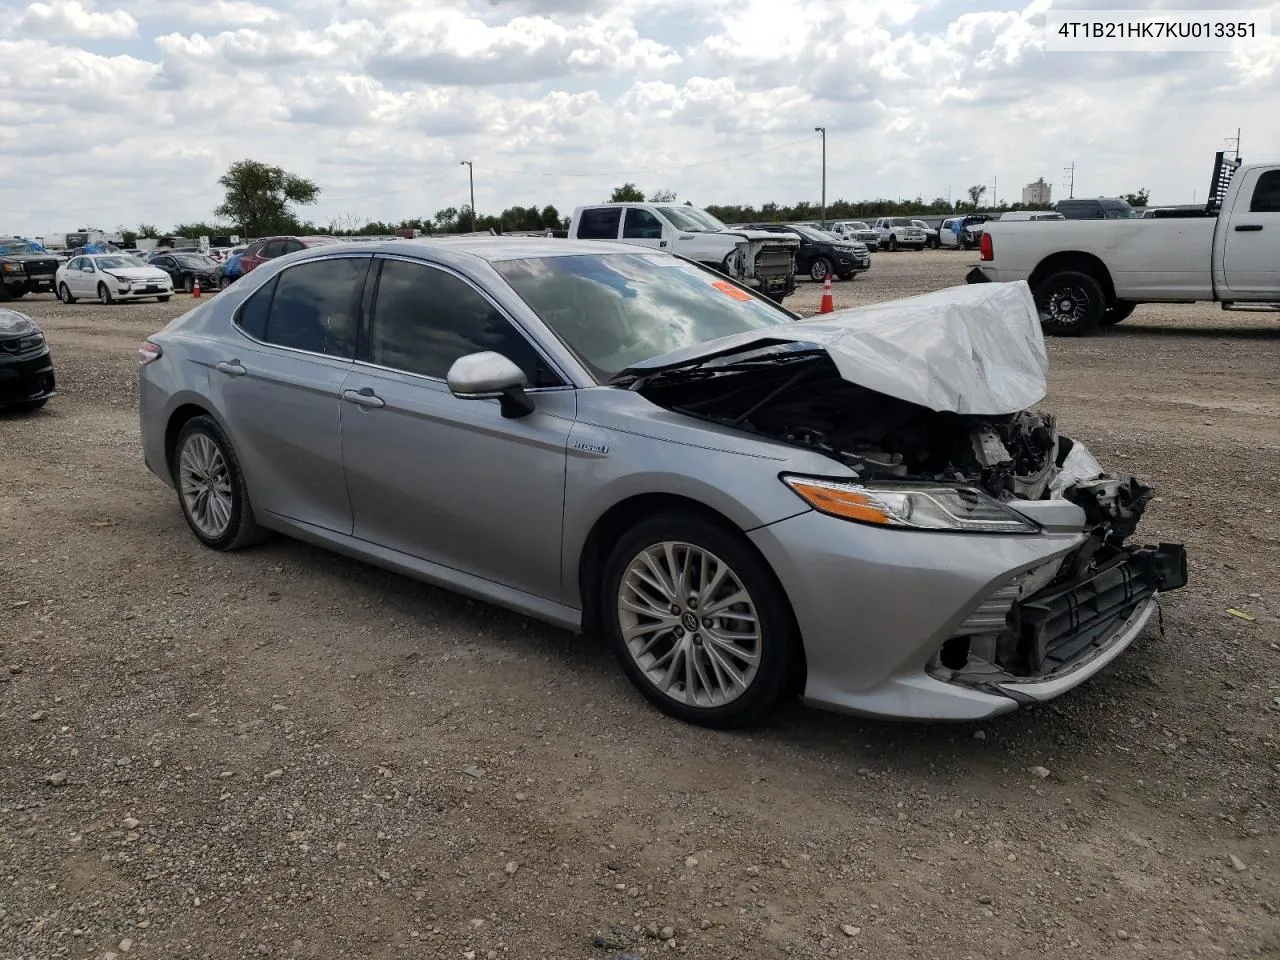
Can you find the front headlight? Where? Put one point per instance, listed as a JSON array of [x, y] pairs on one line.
[[910, 506], [11, 267]]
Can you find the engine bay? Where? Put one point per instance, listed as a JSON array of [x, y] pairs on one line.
[[802, 399]]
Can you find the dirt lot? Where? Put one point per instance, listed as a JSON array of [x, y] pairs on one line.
[[282, 753]]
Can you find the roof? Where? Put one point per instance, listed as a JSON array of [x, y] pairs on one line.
[[493, 249]]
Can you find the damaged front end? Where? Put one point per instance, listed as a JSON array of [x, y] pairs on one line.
[[926, 434]]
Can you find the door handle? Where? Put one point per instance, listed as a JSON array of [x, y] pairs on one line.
[[364, 397], [1247, 227], [231, 368]]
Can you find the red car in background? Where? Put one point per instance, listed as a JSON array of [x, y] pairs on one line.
[[260, 251]]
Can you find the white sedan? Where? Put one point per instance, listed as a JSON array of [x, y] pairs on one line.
[[108, 277]]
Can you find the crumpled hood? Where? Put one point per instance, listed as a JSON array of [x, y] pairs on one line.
[[973, 349], [783, 239]]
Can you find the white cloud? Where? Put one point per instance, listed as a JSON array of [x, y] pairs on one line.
[[143, 105], [70, 18]]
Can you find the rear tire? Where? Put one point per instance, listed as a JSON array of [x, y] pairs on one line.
[[211, 487], [654, 622], [1118, 311], [1071, 303]]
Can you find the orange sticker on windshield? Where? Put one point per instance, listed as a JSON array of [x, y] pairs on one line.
[[728, 288]]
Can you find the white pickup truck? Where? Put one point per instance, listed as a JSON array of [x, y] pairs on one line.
[[1086, 273], [755, 258]]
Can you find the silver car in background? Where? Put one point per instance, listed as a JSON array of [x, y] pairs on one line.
[[856, 508]]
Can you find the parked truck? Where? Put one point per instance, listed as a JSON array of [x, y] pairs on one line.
[[1090, 273], [755, 258]]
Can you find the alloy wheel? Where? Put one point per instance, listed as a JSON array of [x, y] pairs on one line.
[[205, 485], [1067, 306], [689, 624]]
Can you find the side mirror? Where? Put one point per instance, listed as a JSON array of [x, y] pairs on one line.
[[487, 376]]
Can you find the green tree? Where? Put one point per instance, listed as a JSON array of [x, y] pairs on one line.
[[976, 193], [259, 197], [662, 196], [1137, 199], [148, 231], [446, 220], [127, 236], [627, 193]]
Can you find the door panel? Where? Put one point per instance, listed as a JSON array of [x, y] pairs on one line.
[[1252, 246], [284, 416], [454, 482], [281, 399]]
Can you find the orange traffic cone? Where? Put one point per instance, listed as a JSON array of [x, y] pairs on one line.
[[195, 290], [828, 306]]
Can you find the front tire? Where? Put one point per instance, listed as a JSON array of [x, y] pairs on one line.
[[820, 269], [64, 294], [162, 299], [893, 244], [698, 621], [189, 283], [211, 487], [104, 295], [1071, 303]]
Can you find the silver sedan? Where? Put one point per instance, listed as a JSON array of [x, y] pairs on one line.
[[859, 509]]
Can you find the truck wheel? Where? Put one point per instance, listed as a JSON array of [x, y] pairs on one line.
[[819, 269], [893, 244], [1071, 304], [1118, 311]]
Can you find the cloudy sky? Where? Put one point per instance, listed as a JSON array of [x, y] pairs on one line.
[[120, 111]]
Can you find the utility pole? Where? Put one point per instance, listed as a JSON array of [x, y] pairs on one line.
[[823, 131], [995, 202], [1071, 180], [471, 176]]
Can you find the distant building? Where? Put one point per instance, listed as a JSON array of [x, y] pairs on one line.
[[1037, 192]]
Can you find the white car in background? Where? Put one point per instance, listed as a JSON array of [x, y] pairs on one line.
[[898, 232], [108, 277], [856, 230]]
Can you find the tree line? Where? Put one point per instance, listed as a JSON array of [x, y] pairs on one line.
[[262, 200]]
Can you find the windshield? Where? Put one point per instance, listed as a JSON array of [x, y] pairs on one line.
[[691, 219], [616, 310], [118, 263], [194, 260], [17, 246]]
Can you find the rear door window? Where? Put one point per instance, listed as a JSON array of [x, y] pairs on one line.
[[314, 306], [1266, 195], [599, 223]]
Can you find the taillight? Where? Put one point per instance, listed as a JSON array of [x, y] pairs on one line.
[[985, 248], [148, 352]]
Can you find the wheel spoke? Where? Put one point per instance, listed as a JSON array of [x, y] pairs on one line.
[[714, 608], [729, 644], [737, 679]]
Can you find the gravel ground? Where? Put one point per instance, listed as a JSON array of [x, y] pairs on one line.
[[283, 753]]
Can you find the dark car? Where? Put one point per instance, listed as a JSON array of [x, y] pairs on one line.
[[186, 268], [25, 268], [268, 248], [26, 366], [821, 254]]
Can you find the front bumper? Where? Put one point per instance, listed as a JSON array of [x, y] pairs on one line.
[[144, 293], [26, 379], [876, 607], [27, 283]]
